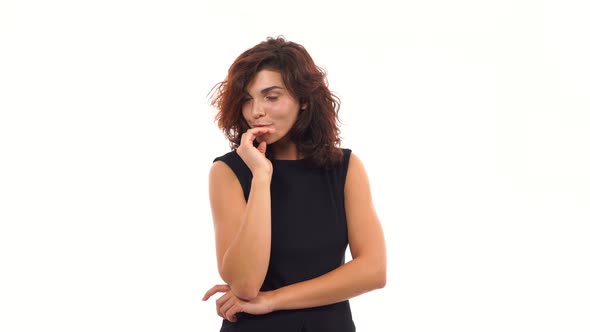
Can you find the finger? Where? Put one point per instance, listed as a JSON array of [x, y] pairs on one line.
[[262, 147], [262, 137], [223, 309], [215, 289], [231, 313], [250, 135], [221, 301], [219, 313]]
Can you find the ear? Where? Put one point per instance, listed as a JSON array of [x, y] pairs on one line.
[[303, 103]]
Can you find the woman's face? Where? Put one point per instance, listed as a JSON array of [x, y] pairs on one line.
[[269, 103]]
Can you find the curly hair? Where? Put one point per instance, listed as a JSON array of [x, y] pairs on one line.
[[315, 132]]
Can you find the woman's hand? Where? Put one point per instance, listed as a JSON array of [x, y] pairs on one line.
[[255, 157], [229, 305]]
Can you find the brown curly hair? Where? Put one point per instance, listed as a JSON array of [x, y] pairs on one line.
[[315, 132]]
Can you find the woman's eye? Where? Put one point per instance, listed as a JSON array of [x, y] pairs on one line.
[[272, 98]]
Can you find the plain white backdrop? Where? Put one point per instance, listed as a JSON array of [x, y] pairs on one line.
[[471, 118]]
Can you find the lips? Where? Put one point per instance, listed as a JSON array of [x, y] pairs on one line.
[[261, 125]]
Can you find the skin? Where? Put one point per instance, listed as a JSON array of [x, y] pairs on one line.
[[243, 234], [270, 103]]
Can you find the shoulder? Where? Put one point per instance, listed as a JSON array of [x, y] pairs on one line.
[[225, 166], [233, 160], [346, 153], [230, 170], [356, 174], [349, 158], [228, 157], [222, 165], [225, 177], [345, 162], [344, 158]]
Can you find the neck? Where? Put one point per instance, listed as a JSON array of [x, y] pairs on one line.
[[285, 151]]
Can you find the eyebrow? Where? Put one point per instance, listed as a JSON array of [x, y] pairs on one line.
[[265, 90]]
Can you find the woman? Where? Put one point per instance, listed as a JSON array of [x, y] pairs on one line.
[[287, 201]]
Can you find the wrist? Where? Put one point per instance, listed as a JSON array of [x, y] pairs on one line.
[[274, 300], [261, 176]]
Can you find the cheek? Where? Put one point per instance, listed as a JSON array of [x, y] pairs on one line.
[[287, 112], [244, 112], [246, 107]]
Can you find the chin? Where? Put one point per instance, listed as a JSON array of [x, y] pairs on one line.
[[270, 139]]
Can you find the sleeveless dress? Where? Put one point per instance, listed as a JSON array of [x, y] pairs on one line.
[[309, 239]]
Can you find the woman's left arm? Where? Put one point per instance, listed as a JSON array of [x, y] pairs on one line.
[[367, 269]]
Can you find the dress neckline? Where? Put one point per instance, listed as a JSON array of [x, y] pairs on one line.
[[290, 161]]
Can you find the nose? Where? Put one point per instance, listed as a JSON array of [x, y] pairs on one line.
[[258, 110]]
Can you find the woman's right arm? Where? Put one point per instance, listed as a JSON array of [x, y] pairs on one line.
[[243, 230]]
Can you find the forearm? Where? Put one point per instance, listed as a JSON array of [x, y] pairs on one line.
[[245, 262], [349, 280]]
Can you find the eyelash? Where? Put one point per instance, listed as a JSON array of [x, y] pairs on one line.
[[269, 98]]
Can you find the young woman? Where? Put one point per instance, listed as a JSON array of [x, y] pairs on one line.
[[287, 200]]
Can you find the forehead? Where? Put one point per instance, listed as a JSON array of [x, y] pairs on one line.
[[265, 78]]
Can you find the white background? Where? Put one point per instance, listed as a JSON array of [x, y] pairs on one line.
[[471, 118]]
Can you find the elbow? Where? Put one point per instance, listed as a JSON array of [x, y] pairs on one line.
[[245, 293], [374, 273], [244, 289], [379, 276], [381, 280]]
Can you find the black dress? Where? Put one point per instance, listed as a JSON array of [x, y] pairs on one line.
[[309, 239]]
